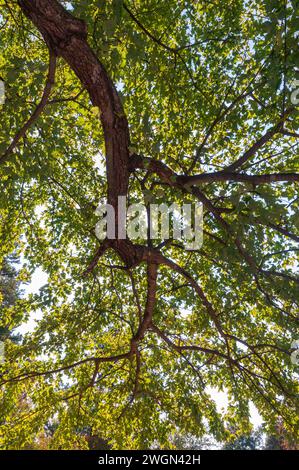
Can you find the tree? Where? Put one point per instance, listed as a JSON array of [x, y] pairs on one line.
[[157, 101], [10, 292]]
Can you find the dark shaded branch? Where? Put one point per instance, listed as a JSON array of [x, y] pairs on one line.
[[289, 133], [99, 253], [171, 178], [27, 375], [277, 228], [147, 32], [150, 302], [180, 348]]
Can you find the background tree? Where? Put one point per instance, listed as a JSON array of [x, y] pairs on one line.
[[157, 101], [251, 441]]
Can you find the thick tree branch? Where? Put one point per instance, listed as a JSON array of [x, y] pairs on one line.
[[277, 228], [238, 177], [38, 110]]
